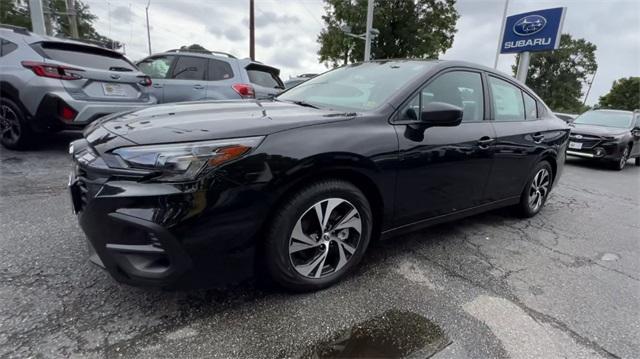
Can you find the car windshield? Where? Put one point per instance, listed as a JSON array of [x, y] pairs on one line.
[[357, 87], [605, 118]]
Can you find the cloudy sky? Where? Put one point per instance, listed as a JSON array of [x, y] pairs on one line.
[[286, 30]]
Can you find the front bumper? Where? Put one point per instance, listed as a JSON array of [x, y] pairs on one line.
[[602, 150], [167, 235]]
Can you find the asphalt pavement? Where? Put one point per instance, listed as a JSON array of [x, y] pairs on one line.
[[564, 284]]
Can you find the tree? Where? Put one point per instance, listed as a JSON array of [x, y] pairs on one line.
[[624, 95], [17, 13], [408, 28], [558, 76]]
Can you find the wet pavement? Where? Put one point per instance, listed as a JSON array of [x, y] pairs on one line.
[[563, 284]]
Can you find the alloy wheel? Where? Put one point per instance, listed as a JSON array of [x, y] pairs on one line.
[[624, 158], [9, 124], [539, 189], [325, 238]]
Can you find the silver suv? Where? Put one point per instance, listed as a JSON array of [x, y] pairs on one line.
[[48, 84], [191, 75]]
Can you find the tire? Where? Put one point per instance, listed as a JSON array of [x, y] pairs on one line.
[[637, 161], [621, 162], [15, 132], [318, 258], [536, 191]]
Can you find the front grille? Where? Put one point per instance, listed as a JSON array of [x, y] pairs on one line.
[[588, 141]]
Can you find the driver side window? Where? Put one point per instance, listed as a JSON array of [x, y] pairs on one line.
[[459, 88]]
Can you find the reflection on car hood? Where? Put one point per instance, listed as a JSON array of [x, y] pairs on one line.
[[207, 120], [597, 130]]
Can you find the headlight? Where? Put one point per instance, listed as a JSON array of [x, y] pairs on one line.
[[184, 161]]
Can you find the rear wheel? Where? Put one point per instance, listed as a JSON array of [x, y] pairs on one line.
[[637, 161], [15, 132], [318, 235], [535, 193]]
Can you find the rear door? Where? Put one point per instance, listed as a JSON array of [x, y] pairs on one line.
[[520, 138], [220, 80], [187, 79], [157, 67], [104, 75], [265, 80]]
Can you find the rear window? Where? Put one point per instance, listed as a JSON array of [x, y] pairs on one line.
[[84, 56], [264, 77]]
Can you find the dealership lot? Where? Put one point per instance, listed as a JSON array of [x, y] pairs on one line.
[[562, 284]]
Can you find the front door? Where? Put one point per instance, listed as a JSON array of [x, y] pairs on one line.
[[157, 68], [444, 169]]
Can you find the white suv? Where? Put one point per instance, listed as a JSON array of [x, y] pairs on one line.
[[48, 84]]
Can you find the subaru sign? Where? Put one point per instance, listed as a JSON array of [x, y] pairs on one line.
[[533, 31]]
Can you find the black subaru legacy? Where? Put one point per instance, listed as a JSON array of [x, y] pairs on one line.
[[608, 135], [203, 193]]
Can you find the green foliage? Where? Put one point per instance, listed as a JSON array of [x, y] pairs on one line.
[[408, 28], [558, 76], [17, 13], [624, 95]]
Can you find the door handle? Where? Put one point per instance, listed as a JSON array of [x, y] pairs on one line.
[[537, 137], [484, 142], [158, 86], [198, 87]]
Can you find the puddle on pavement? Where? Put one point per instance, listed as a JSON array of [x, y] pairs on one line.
[[393, 334]]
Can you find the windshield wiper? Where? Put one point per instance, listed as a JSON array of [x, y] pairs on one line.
[[305, 104]]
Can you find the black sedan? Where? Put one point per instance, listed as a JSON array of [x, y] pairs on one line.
[[203, 193], [608, 135]]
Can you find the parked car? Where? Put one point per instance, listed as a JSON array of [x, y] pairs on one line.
[[295, 81], [188, 75], [48, 84], [607, 135], [202, 193], [566, 117]]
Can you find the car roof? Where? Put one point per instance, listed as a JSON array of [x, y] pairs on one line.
[[15, 33]]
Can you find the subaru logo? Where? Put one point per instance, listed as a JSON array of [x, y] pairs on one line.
[[115, 77], [578, 137], [529, 25]]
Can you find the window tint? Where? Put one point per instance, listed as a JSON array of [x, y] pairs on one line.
[[6, 47], [157, 67], [219, 70], [458, 88], [530, 109], [189, 68], [507, 101], [84, 56], [264, 78]]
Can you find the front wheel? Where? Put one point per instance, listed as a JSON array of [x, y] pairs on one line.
[[318, 235], [622, 161], [535, 193]]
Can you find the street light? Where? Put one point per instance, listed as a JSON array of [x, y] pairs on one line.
[[346, 29]]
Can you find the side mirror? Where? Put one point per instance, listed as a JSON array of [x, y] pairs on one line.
[[441, 114]]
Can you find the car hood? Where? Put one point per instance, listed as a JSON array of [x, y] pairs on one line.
[[209, 120], [597, 130]]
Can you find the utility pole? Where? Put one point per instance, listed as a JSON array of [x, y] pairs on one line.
[[523, 66], [252, 32], [589, 89], [37, 17], [148, 32], [504, 20], [73, 18], [367, 39]]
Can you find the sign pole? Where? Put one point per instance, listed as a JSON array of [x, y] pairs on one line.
[[367, 40], [523, 67], [37, 17], [504, 20]]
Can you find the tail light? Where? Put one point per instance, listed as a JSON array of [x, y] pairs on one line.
[[51, 70], [244, 90], [145, 81]]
